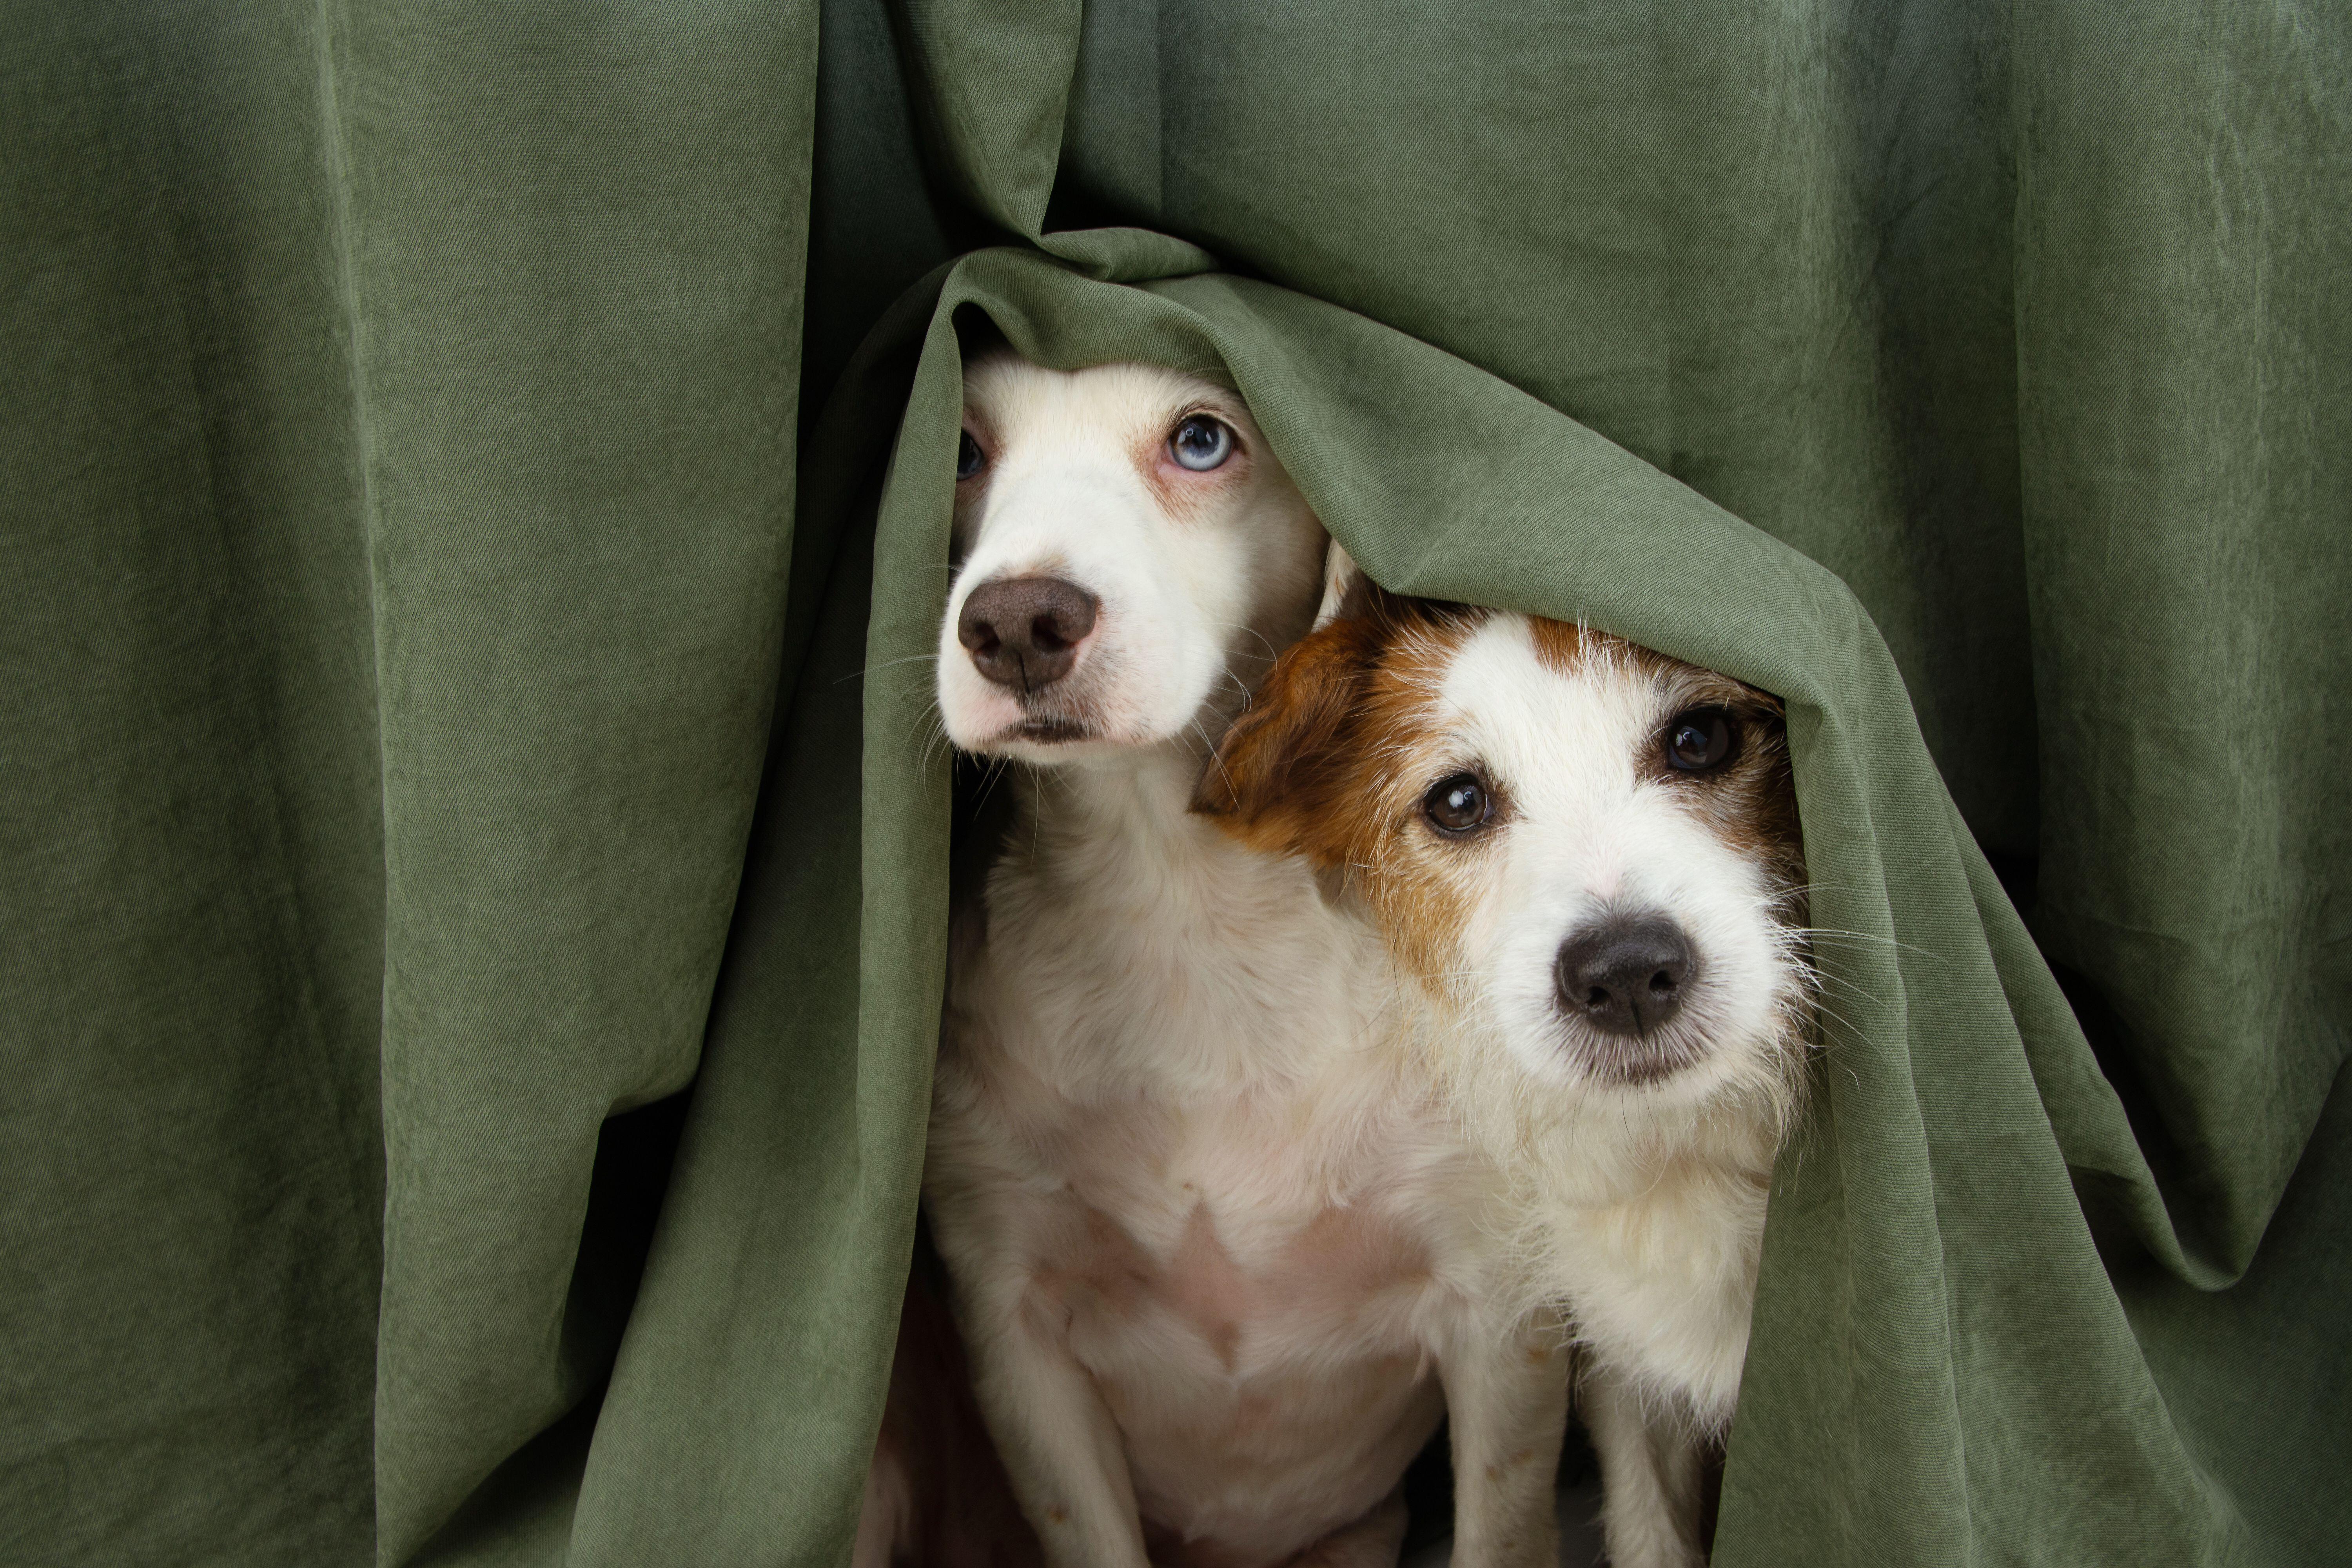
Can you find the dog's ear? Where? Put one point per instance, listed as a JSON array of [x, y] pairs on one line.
[[1280, 769], [1350, 595], [1346, 591]]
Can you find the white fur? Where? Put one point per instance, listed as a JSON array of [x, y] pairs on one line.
[[1192, 606], [1217, 1247], [1638, 1207]]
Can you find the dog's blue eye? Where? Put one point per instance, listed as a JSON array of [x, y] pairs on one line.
[[967, 458], [1201, 442]]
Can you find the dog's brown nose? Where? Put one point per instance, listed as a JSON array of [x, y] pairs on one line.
[[1024, 632], [1625, 975]]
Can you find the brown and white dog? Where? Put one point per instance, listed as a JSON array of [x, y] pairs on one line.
[[1587, 853], [1219, 1251]]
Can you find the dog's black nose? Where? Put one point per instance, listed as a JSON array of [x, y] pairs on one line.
[[1626, 975], [1024, 632]]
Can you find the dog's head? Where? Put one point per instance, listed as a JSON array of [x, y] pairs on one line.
[[1588, 847], [1131, 556]]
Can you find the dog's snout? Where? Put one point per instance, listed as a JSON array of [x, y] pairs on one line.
[[1626, 975], [1024, 632]]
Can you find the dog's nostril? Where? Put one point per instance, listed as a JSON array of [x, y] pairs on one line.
[[1626, 975], [1024, 632]]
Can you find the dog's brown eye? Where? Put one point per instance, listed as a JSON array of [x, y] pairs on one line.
[[1201, 442], [969, 458], [1457, 805], [1701, 741]]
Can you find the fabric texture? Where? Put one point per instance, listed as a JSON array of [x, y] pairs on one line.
[[473, 837]]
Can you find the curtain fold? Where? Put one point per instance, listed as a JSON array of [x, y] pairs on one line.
[[464, 592], [398, 461]]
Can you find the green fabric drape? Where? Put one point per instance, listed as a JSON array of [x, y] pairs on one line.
[[397, 456], [405, 557]]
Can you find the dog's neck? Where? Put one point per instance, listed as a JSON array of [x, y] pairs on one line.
[[1599, 1149], [1118, 832], [1231, 958], [1135, 801]]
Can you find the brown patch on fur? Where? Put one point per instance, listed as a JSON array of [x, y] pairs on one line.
[[1751, 803], [1281, 766], [1330, 761], [1562, 645]]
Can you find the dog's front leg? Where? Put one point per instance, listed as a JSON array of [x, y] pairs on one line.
[[1506, 1383], [1649, 1475], [1057, 1440]]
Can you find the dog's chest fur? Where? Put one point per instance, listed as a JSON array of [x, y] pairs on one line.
[[1648, 1227], [1174, 1097]]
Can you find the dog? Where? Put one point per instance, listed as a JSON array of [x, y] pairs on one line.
[[1221, 1257], [1588, 856]]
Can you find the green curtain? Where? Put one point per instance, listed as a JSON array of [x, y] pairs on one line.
[[471, 868]]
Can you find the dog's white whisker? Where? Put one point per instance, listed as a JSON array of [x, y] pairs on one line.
[[1817, 933], [888, 664]]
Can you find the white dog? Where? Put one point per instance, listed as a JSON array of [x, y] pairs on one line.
[[1217, 1252], [1590, 854]]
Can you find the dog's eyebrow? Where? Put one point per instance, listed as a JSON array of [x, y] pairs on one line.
[[1226, 404]]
